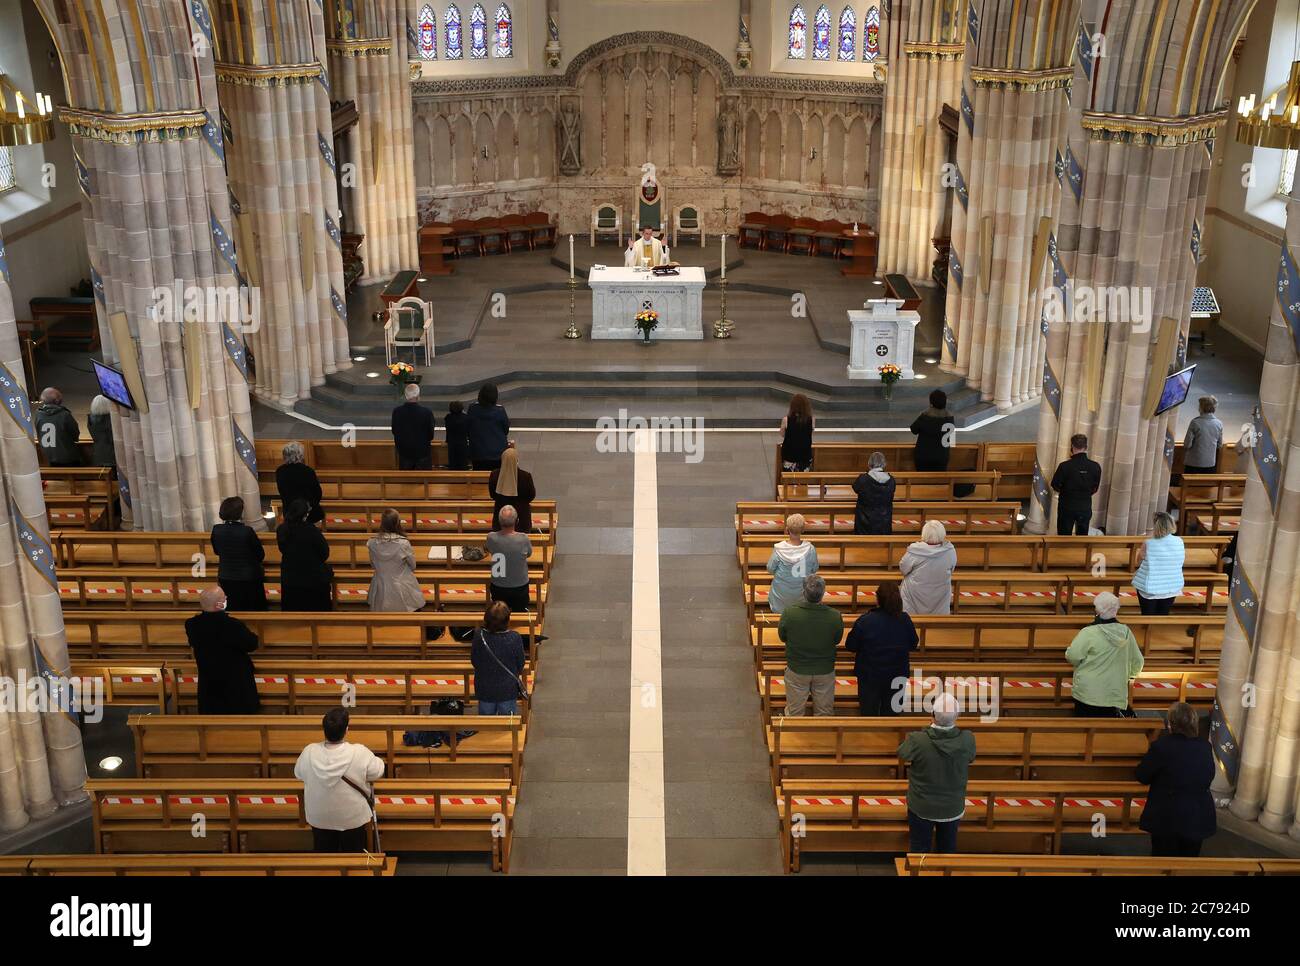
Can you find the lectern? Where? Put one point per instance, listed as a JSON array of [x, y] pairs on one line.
[[882, 332]]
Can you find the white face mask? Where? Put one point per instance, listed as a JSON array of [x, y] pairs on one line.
[[221, 605]]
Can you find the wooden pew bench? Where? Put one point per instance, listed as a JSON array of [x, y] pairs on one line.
[[79, 511], [399, 485], [1013, 688], [1008, 816], [994, 638], [281, 865], [911, 487], [962, 517], [1220, 519], [267, 746], [119, 636], [334, 454], [296, 687], [1022, 749], [252, 815], [434, 516], [1021, 865], [1198, 493]]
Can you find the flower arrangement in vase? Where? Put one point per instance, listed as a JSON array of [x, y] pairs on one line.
[[400, 374], [647, 320], [889, 374]]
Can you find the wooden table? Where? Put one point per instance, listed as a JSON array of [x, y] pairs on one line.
[[864, 253], [433, 246], [403, 284]]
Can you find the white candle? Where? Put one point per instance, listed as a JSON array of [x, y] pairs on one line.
[[724, 254], [570, 256]]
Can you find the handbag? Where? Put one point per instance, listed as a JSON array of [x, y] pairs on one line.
[[369, 796], [523, 691]]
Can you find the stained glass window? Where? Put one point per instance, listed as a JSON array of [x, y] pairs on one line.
[[505, 45], [798, 33], [848, 34], [477, 33], [821, 45], [426, 34], [453, 45], [871, 34]]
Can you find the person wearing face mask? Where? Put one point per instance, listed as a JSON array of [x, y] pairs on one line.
[[222, 645]]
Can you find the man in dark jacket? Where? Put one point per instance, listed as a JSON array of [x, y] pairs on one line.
[[413, 427], [57, 431], [221, 646], [939, 759], [489, 429], [1076, 480], [874, 513], [1179, 767]]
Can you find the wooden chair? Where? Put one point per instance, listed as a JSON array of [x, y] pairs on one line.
[[802, 236], [519, 237], [466, 238], [541, 228], [409, 326], [828, 239], [606, 221], [493, 236], [752, 226], [776, 236], [687, 221]]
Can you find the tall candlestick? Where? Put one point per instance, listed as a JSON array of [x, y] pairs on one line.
[[724, 254], [570, 256]]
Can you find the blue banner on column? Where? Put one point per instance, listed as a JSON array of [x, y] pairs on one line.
[[200, 14], [1226, 749], [1060, 281], [954, 266], [960, 185], [1073, 174], [340, 309], [97, 285], [215, 137], [83, 176], [1288, 293], [1042, 492], [1268, 461], [1051, 389], [225, 245], [234, 348], [4, 262], [326, 150], [1243, 600], [235, 207], [332, 230], [973, 24], [950, 342], [244, 448], [36, 548], [1085, 50], [1169, 449], [16, 402], [967, 112], [1059, 167], [123, 487], [1043, 325], [1196, 241]]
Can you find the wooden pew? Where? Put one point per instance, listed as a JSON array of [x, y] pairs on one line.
[[119, 636], [267, 746], [987, 551], [846, 815], [1219, 518], [79, 511], [295, 687], [334, 454], [401, 485], [172, 585], [1006, 638], [1198, 493], [900, 457], [1021, 749], [433, 551], [433, 516], [819, 486], [1021, 865], [1006, 591], [249, 815], [961, 517], [1012, 687], [266, 864], [96, 482]]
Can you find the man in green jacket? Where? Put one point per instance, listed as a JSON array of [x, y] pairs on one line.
[[938, 763], [57, 431], [1106, 659], [811, 631]]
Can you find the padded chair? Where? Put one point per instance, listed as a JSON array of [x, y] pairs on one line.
[[828, 240], [540, 228], [519, 237], [687, 221], [752, 226], [776, 236], [466, 238], [606, 221], [801, 236], [493, 236], [409, 326]]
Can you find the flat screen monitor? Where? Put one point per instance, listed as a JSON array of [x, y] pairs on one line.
[[1175, 389], [113, 385]]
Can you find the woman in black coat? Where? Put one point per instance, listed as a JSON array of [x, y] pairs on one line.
[[875, 489], [295, 480], [931, 428], [240, 554], [1179, 767], [881, 641], [306, 578]]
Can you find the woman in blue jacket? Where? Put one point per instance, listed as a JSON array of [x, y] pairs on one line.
[[489, 429], [1179, 767], [1159, 577], [881, 641]]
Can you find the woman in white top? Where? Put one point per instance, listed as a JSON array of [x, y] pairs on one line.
[[336, 776], [793, 559]]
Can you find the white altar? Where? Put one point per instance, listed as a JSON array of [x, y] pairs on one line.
[[882, 333], [618, 294]]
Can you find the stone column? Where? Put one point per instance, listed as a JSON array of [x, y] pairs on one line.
[[280, 160], [1012, 111], [925, 47], [1138, 143], [1256, 723], [368, 65], [41, 763], [145, 127]]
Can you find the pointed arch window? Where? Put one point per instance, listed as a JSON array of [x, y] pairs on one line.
[[821, 42], [477, 32], [848, 47], [798, 43], [871, 34], [451, 21], [426, 33], [504, 33]]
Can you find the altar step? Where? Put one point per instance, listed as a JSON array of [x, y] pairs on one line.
[[724, 400]]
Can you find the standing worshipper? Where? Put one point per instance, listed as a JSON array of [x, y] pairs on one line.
[[508, 485], [874, 513], [413, 427], [1076, 480], [221, 645], [295, 480], [489, 429], [240, 555], [796, 436], [394, 586], [306, 577]]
